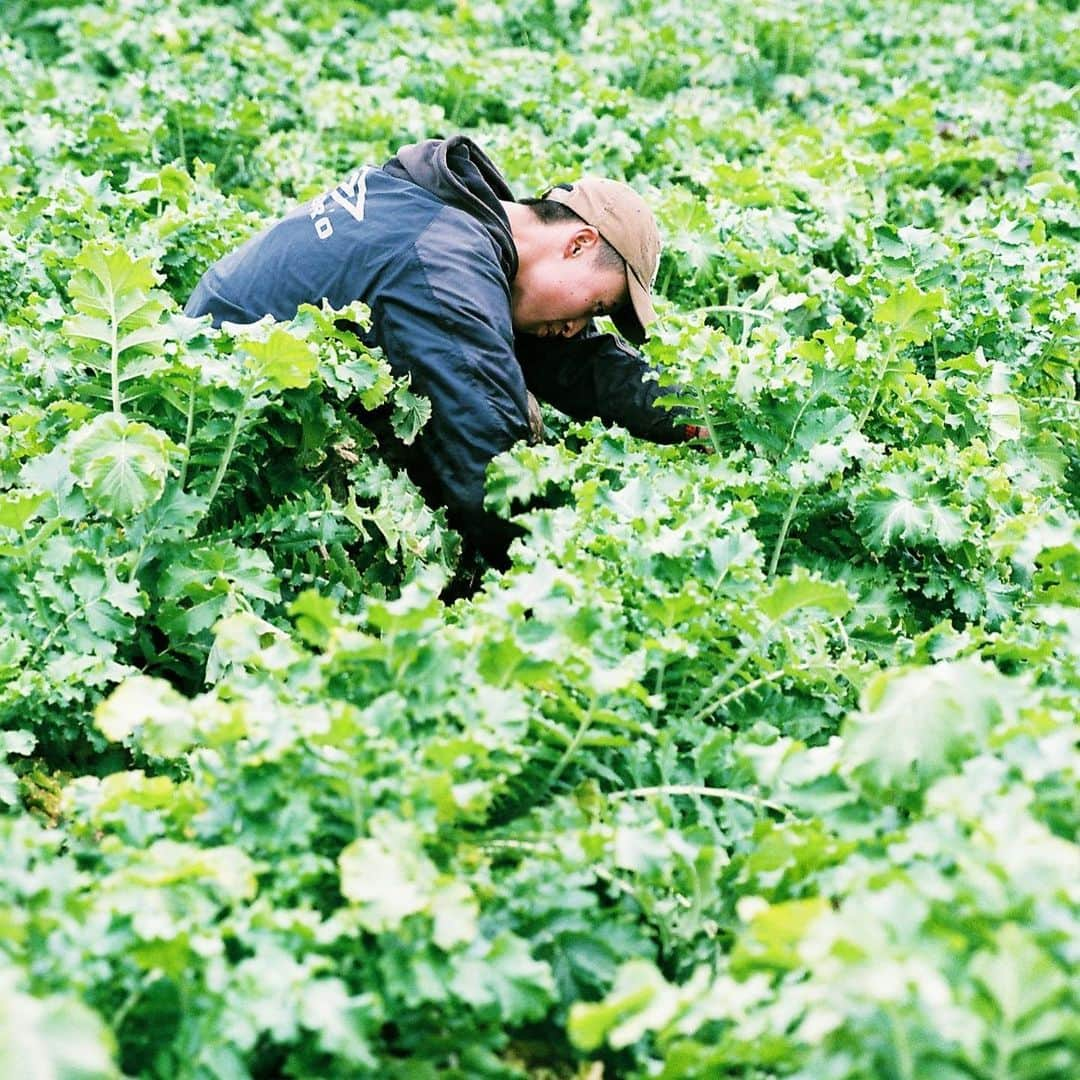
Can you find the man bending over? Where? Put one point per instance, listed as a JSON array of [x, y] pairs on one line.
[[483, 300]]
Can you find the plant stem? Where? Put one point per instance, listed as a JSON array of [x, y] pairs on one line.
[[35, 541], [131, 1000], [904, 1062], [180, 142], [42, 646], [890, 356], [222, 158], [1004, 1055], [704, 792], [662, 291], [785, 525], [708, 420], [226, 455], [747, 330], [530, 846], [704, 704], [114, 354], [182, 480], [733, 309], [795, 427], [569, 752], [616, 882], [712, 706], [658, 685]]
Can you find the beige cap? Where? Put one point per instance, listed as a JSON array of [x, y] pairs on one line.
[[622, 217]]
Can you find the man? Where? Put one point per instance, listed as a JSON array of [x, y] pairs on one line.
[[478, 297]]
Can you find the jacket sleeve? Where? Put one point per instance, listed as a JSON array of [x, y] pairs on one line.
[[446, 321], [595, 374]]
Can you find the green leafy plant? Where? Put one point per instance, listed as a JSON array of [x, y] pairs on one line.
[[758, 761]]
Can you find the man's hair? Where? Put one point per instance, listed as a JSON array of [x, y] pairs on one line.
[[550, 212]]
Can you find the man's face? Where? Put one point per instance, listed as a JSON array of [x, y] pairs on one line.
[[558, 293]]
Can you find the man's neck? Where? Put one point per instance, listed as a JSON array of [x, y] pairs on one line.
[[524, 230]]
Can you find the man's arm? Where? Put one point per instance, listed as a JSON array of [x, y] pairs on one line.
[[596, 374], [447, 322]]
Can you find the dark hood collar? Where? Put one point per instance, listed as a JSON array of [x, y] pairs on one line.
[[459, 173]]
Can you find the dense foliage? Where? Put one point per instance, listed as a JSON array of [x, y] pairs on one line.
[[759, 761]]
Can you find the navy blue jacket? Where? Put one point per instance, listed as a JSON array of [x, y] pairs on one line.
[[425, 243]]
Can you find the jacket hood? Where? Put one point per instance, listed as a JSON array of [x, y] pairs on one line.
[[460, 174]]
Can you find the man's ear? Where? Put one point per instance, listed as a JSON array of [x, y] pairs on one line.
[[581, 241]]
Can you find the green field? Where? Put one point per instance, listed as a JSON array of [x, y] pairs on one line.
[[761, 759]]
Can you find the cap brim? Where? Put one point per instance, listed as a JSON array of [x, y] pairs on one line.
[[632, 319]]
